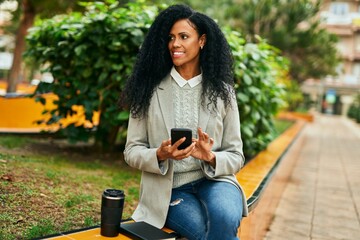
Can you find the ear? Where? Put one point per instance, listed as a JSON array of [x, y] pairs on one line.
[[202, 40]]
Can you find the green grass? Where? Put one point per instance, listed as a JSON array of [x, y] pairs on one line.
[[12, 142], [43, 228], [46, 189], [78, 199], [281, 126]]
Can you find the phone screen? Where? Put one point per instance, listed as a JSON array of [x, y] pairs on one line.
[[177, 133]]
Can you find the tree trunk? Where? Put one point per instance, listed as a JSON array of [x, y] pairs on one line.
[[27, 20]]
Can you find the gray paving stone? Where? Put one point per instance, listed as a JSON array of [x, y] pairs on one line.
[[322, 200], [286, 235], [346, 212], [336, 222], [295, 225], [335, 233]]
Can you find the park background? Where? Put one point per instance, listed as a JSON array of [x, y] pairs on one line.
[[294, 56]]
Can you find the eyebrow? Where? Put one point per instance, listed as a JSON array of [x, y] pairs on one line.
[[179, 33]]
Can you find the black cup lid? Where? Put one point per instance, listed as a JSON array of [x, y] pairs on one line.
[[113, 193]]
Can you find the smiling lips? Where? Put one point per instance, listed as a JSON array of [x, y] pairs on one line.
[[177, 54]]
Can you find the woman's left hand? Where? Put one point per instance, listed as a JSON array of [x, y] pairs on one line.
[[203, 148]]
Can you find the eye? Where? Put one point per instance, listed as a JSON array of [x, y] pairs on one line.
[[171, 37], [184, 36]]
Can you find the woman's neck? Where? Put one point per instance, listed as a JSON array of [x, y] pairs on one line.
[[187, 72]]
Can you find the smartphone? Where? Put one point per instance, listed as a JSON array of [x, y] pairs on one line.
[[177, 133]]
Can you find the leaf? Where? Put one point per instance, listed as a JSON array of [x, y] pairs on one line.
[[247, 79], [242, 97], [79, 50], [247, 132], [123, 116], [41, 100], [255, 116], [86, 72], [137, 32]]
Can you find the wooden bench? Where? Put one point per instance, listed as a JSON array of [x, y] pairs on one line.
[[255, 176]]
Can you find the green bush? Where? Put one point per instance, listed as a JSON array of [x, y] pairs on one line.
[[259, 94], [90, 57], [354, 109], [294, 97]]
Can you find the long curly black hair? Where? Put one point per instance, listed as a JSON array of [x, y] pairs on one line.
[[154, 61]]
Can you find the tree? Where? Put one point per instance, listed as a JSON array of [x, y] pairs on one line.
[[293, 27], [27, 20], [29, 10]]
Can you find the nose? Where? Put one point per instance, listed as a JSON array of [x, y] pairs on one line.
[[176, 43]]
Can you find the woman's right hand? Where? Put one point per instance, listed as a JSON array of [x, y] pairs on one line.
[[166, 150]]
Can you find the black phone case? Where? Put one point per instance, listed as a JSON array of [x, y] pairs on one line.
[[177, 133]]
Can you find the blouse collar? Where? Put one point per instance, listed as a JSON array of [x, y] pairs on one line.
[[193, 82]]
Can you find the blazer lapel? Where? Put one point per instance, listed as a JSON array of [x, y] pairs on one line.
[[164, 95]]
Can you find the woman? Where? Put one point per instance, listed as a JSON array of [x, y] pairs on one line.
[[183, 78]]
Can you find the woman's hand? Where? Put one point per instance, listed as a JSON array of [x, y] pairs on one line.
[[166, 150], [203, 148]]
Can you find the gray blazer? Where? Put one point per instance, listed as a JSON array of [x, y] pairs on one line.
[[145, 135]]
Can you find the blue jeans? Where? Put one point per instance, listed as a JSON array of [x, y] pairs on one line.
[[205, 209]]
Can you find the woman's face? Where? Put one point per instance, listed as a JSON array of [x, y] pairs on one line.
[[184, 44]]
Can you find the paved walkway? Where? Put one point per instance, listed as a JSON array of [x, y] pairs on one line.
[[322, 199]]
